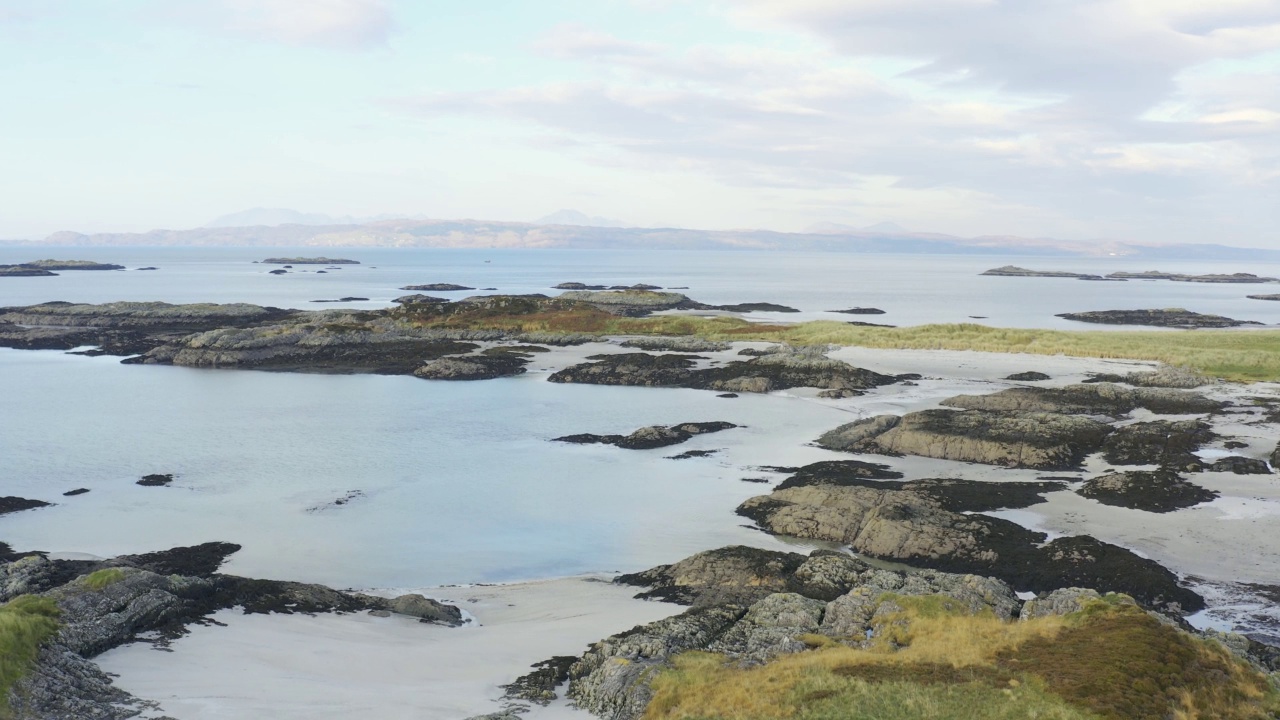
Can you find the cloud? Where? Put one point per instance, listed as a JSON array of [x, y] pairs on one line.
[[344, 24], [1149, 118]]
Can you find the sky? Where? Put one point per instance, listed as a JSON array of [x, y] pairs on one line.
[[1151, 121]]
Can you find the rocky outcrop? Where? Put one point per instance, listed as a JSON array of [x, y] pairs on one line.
[[1240, 466], [751, 307], [1039, 440], [630, 303], [1164, 377], [24, 271], [1264, 297], [1169, 444], [761, 374], [1233, 278], [1172, 318], [1015, 271], [917, 528], [436, 287], [654, 436], [70, 265], [859, 311], [583, 286], [473, 367], [155, 480], [419, 299], [149, 316], [343, 300], [12, 504], [310, 261], [1088, 399], [1028, 376], [1158, 491], [1063, 601]]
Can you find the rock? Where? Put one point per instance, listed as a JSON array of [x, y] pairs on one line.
[[727, 395], [772, 626], [754, 480], [77, 491], [631, 303], [419, 299], [1015, 271], [859, 311], [1172, 317], [1247, 278], [735, 574], [1039, 440], [762, 374], [437, 287], [690, 454], [540, 685], [342, 300], [838, 393], [380, 613], [1240, 466], [1264, 297], [754, 307], [426, 609], [1088, 399], [309, 261], [1234, 445], [1029, 376], [677, 344], [148, 316], [1062, 601], [915, 527], [12, 504], [1159, 491], [837, 472], [24, 271], [578, 286], [147, 268], [156, 480], [1170, 444], [194, 561], [524, 350], [1165, 377], [1275, 457], [71, 265], [655, 436], [472, 367], [277, 272]]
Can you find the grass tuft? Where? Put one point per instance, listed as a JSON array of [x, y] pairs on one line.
[[26, 622], [102, 578]]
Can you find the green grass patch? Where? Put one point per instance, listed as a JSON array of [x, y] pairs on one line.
[[99, 579], [26, 622]]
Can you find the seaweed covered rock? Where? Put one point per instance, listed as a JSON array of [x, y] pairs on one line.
[[1163, 377], [473, 367], [1028, 376], [1240, 465], [655, 436], [775, 371], [1172, 317], [1166, 443], [13, 503], [677, 344], [735, 574], [1159, 491]]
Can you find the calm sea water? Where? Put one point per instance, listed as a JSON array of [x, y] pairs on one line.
[[912, 289], [458, 482]]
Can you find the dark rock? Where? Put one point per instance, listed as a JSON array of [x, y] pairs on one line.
[[1170, 444], [836, 472], [754, 307], [1174, 317], [754, 480], [1240, 466], [736, 574], [1029, 376], [690, 454], [12, 504], [859, 311], [418, 299], [1015, 271], [1234, 445], [540, 685], [1088, 399], [437, 287], [859, 323], [426, 609], [1234, 278], [148, 268], [839, 393], [195, 561], [24, 271], [677, 344], [310, 261], [1264, 297], [578, 286], [727, 395], [473, 367], [1165, 377], [156, 480], [1159, 491], [277, 272], [77, 491], [343, 300], [71, 265], [655, 436], [766, 373]]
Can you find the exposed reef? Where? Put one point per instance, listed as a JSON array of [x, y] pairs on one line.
[[310, 261], [654, 436], [1171, 318], [437, 287], [1160, 491]]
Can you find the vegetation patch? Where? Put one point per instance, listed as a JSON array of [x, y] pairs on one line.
[[26, 622], [934, 660], [100, 579]]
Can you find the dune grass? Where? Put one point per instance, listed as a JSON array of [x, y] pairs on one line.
[[26, 622], [99, 579], [1110, 662]]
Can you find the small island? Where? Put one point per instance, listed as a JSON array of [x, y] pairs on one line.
[[309, 261], [1169, 317], [1264, 297], [45, 268], [437, 287], [1015, 271]]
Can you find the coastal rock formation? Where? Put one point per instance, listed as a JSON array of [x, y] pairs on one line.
[[1264, 297], [583, 286], [1240, 466], [437, 287], [1170, 444], [309, 261], [751, 307], [761, 374], [155, 480], [859, 311], [473, 367], [1088, 399], [1159, 491], [631, 303], [418, 298], [343, 300], [1172, 318], [917, 526], [1015, 271], [1235, 278], [677, 344], [24, 271], [1028, 376], [101, 605], [1164, 377], [1063, 601], [12, 504], [1042, 440], [69, 265], [655, 436]]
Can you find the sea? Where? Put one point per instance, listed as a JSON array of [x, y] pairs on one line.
[[393, 482]]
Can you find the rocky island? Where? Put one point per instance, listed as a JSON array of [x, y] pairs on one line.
[[1171, 317], [309, 261]]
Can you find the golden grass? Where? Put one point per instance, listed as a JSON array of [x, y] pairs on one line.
[[99, 579], [933, 661], [26, 622]]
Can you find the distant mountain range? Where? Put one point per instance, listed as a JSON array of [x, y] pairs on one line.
[[267, 227]]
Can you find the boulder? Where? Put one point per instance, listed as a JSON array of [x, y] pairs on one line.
[[472, 367], [1166, 443], [1173, 318], [426, 609], [1088, 399], [1029, 376], [654, 436], [1159, 491], [1062, 601]]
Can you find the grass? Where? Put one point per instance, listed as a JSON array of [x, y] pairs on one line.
[[26, 622], [1238, 355], [932, 660], [99, 579]]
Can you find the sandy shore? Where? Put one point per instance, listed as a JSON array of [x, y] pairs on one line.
[[336, 667]]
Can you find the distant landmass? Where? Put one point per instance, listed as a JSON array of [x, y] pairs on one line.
[[574, 217], [273, 217], [563, 230]]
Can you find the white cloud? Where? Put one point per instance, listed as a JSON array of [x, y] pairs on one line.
[[345, 24]]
